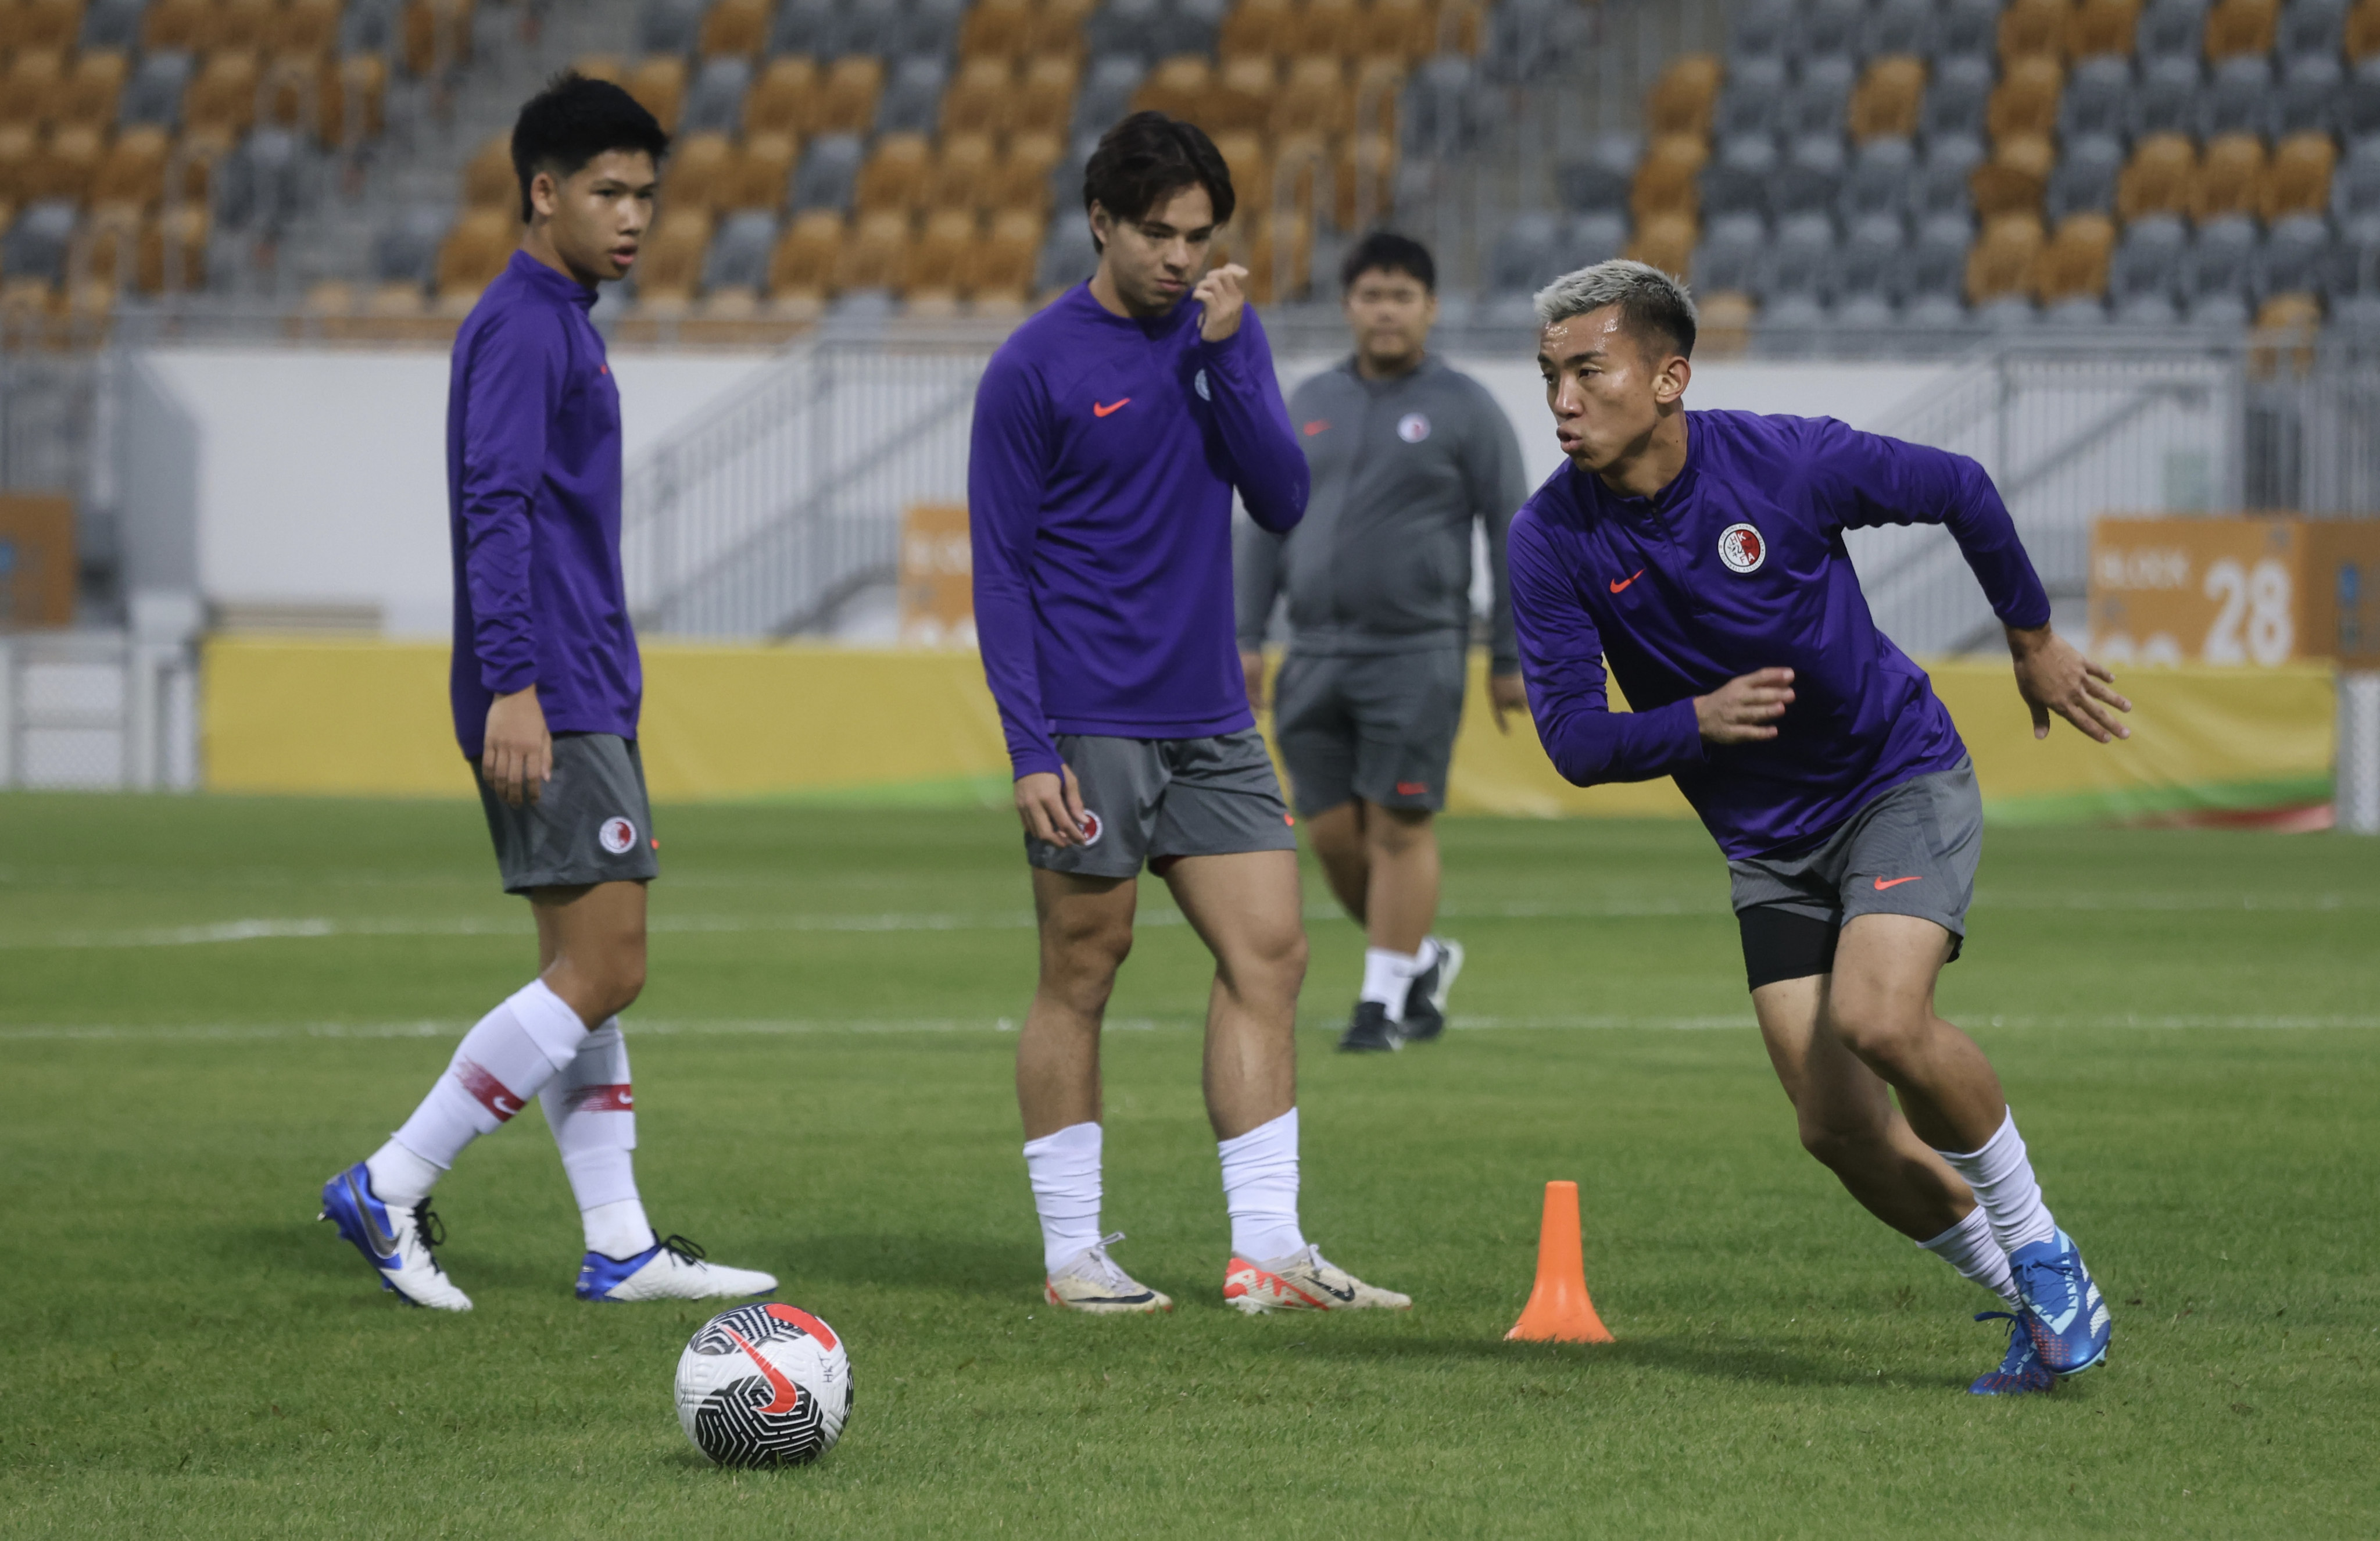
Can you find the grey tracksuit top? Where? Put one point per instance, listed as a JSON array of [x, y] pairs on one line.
[[1382, 562]]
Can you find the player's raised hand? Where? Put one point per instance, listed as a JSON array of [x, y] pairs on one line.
[[1219, 293], [1744, 709], [1052, 807], [519, 759], [2053, 675], [1508, 694]]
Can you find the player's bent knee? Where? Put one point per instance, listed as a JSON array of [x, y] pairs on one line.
[[1837, 1146], [1878, 1031]]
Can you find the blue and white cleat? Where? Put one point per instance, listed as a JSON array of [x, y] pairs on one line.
[[672, 1269], [2021, 1368], [396, 1242], [2062, 1308]]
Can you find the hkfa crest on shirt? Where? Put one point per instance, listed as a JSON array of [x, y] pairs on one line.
[[1741, 546]]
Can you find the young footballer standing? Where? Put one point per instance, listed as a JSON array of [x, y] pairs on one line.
[[1701, 553], [1110, 432], [1406, 453], [546, 687]]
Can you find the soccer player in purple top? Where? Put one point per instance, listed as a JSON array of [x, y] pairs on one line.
[[546, 687], [1700, 555], [1110, 432]]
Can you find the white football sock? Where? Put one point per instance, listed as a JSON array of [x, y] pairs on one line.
[[1065, 1169], [2005, 1188], [1260, 1190], [400, 1177], [499, 1066], [592, 1110], [1969, 1247], [1386, 977]]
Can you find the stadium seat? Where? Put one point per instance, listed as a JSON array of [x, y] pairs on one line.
[[997, 29], [1929, 284], [1107, 89], [1966, 29], [847, 101], [2239, 98], [2166, 99], [875, 30], [1761, 29], [735, 29], [1866, 263], [1729, 255], [242, 23], [1739, 176], [1406, 29], [2032, 29], [2355, 196], [2085, 180], [1019, 181], [933, 27], [913, 99], [2072, 266], [353, 92], [1876, 182], [875, 254], [1889, 95], [1681, 98], [2229, 178], [437, 36], [2026, 101], [1600, 178], [2000, 265], [1259, 29], [1831, 30], [999, 275], [2015, 179], [962, 174], [2157, 179], [2219, 272], [801, 29], [2295, 257], [977, 101], [762, 171], [828, 174], [2297, 181], [1902, 27], [222, 100], [63, 168], [658, 84], [29, 90], [1067, 257], [1665, 240], [1752, 100], [1438, 108], [1175, 87], [715, 105], [893, 179], [489, 180], [1797, 281], [2169, 29], [17, 143], [2144, 276], [696, 173], [1302, 168], [2235, 28], [479, 245], [1242, 97], [2097, 100], [154, 92], [938, 261], [1593, 238], [1314, 99], [668, 26], [131, 178], [1819, 101], [1955, 95], [177, 26], [1043, 102], [2359, 104], [2311, 27], [1667, 180], [802, 264], [2308, 98], [113, 25], [738, 258], [2101, 28], [1251, 169], [670, 266], [92, 89], [1810, 178], [785, 98]]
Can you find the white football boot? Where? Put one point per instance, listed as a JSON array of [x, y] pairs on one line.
[[1303, 1281], [1090, 1281], [672, 1269], [396, 1242]]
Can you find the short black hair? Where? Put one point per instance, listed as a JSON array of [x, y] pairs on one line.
[[573, 120], [1148, 158], [1386, 251]]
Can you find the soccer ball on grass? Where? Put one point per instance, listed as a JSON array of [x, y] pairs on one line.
[[764, 1386]]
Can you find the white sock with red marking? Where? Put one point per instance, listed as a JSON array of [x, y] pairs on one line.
[[1260, 1190], [1064, 1170], [1969, 1247], [1388, 977], [2006, 1190], [591, 1108], [500, 1065]]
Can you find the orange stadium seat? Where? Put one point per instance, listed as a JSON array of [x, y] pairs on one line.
[[2034, 29], [2236, 27], [31, 91], [221, 99], [999, 273], [601, 66], [1044, 100], [761, 173], [242, 23], [2073, 263], [1404, 28], [2101, 27], [1315, 98], [1682, 100], [184, 25], [1366, 180], [997, 29], [876, 254], [1372, 105], [803, 262], [847, 102], [1020, 181], [50, 24], [895, 176], [89, 90], [19, 143], [1242, 95], [1665, 240], [962, 174], [1179, 85], [1303, 173], [2361, 35], [734, 28], [2156, 180], [1333, 27], [488, 181], [1243, 156], [475, 250], [698, 172], [977, 101], [437, 35], [173, 250], [353, 92], [659, 82], [785, 98], [132, 176], [1058, 30], [288, 95], [2298, 179], [2000, 265], [1889, 97], [2230, 179], [2025, 101], [109, 250], [671, 260], [1668, 179], [1278, 253], [309, 27], [1258, 28], [940, 255], [2011, 182], [66, 164]]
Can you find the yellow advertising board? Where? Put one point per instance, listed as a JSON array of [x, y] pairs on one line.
[[2250, 591]]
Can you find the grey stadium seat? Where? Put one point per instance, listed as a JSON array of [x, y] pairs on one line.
[[263, 182], [1437, 108], [801, 27], [1736, 180], [1527, 257], [1752, 100], [2144, 274], [1931, 277], [112, 24], [36, 245], [1732, 249], [1955, 97], [2166, 101], [2355, 195], [1067, 256], [2310, 28], [1902, 27], [2169, 29], [1811, 178], [1593, 237], [913, 97], [739, 253], [1600, 179], [715, 102], [931, 27], [2239, 99], [1938, 186], [1871, 255], [1819, 97], [2221, 268], [2098, 98], [828, 174], [2296, 258], [1761, 29], [877, 27], [1528, 39], [1189, 27], [1106, 94], [2086, 178], [2309, 96], [1967, 30], [1797, 279], [1123, 26], [2358, 104], [406, 252], [1832, 28], [1876, 182], [154, 95], [669, 25], [368, 27]]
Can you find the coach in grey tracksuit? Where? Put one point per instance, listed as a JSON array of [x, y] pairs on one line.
[[1406, 454]]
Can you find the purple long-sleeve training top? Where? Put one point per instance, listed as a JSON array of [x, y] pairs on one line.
[[1738, 565], [533, 506], [1100, 505]]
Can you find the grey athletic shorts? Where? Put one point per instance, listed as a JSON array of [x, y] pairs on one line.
[[591, 824], [1913, 850], [1154, 799], [1379, 727]]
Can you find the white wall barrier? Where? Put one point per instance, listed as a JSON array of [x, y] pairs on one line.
[[97, 711]]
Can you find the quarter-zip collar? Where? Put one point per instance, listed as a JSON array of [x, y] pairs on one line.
[[1641, 510], [560, 285]]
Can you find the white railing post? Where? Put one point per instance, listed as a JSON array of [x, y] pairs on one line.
[[7, 712], [2357, 795]]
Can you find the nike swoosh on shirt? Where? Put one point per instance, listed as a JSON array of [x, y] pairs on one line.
[[382, 1243], [1110, 408], [1883, 883], [789, 1396], [1619, 584]]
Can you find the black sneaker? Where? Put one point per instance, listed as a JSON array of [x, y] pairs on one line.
[[1369, 1031], [1425, 997]]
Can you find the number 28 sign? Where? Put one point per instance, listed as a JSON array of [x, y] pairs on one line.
[[2251, 591]]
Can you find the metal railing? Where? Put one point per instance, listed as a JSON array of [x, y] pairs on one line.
[[97, 711]]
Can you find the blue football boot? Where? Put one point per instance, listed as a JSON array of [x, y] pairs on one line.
[[671, 1269], [2021, 1368], [2063, 1310], [396, 1242]]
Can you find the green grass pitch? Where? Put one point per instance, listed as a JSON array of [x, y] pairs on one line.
[[208, 1005]]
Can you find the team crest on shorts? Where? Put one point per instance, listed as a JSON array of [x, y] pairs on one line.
[[1092, 828], [1741, 546], [618, 836], [1413, 428]]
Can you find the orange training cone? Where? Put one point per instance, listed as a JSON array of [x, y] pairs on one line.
[[1558, 1310]]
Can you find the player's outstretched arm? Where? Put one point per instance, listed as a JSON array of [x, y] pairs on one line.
[[1561, 658], [1267, 465], [2053, 675]]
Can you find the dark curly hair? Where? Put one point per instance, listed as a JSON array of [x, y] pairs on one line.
[[573, 120], [1148, 158]]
